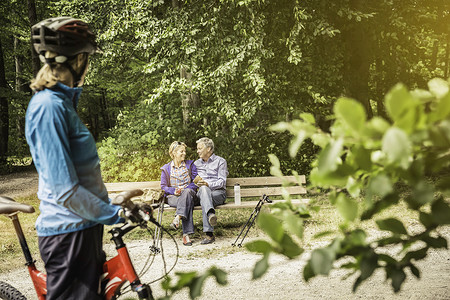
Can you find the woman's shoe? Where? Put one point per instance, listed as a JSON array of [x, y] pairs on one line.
[[186, 240], [175, 223]]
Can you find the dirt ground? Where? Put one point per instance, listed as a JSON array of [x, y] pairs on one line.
[[283, 280]]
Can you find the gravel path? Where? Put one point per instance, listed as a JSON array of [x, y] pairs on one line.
[[283, 281], [19, 184]]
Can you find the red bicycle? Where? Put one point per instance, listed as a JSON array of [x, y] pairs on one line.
[[116, 271]]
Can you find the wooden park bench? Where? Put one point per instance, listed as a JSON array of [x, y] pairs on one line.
[[250, 187]]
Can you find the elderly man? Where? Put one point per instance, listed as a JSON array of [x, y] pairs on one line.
[[213, 171]]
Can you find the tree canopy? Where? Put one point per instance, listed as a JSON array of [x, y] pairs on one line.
[[229, 70], [226, 69]]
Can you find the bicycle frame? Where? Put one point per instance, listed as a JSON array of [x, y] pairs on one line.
[[37, 277], [117, 271]]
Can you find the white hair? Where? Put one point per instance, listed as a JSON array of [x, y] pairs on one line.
[[207, 142]]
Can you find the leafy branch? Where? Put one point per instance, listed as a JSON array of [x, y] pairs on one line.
[[362, 163]]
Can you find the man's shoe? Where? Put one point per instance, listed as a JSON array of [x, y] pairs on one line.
[[208, 240], [186, 240], [212, 218]]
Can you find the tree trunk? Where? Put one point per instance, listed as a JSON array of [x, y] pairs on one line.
[[189, 101], [104, 111], [447, 57], [434, 54], [356, 72], [379, 82], [4, 114], [21, 86], [36, 64]]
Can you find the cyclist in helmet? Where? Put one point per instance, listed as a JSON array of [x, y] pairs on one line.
[[74, 202]]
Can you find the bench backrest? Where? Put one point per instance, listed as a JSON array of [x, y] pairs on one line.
[[271, 186], [249, 186]]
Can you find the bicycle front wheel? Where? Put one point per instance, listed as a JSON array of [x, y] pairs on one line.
[[8, 292]]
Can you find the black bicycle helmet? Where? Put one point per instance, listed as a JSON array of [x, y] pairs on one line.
[[64, 35]]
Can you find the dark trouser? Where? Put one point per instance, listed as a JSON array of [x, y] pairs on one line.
[[209, 199], [185, 207], [74, 263]]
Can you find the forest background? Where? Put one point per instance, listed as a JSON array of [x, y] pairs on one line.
[[180, 70]]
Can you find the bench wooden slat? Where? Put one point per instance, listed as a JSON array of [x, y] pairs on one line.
[[126, 186], [248, 204], [244, 182], [272, 191], [262, 181]]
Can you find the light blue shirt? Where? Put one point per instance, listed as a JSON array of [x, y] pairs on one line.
[[71, 190], [214, 171]]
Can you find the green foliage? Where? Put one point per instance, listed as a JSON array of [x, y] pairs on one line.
[[362, 163], [251, 64], [193, 281]]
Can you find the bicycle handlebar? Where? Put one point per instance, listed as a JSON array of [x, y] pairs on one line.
[[135, 213]]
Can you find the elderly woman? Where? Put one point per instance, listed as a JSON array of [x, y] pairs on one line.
[[177, 180]]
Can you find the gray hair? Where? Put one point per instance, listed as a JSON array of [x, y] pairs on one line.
[[207, 142]]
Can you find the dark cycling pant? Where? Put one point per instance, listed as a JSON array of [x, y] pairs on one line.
[[73, 262]]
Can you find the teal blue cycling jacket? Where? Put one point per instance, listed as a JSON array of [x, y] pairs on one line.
[[71, 190]]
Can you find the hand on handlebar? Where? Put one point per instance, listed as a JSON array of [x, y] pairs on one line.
[[142, 213], [134, 213]]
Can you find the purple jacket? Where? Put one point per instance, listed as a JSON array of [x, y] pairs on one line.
[[165, 177]]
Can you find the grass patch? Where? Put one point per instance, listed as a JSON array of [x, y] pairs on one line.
[[11, 256]]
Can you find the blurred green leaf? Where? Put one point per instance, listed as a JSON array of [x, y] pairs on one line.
[[220, 275], [415, 271], [416, 255], [351, 113], [261, 267], [322, 261], [259, 246], [307, 117], [397, 101], [368, 264], [422, 193], [296, 143], [294, 225], [386, 258], [290, 248], [376, 127], [397, 276], [397, 147], [440, 211], [442, 109], [362, 158], [308, 272], [393, 225], [438, 87], [330, 157], [347, 207], [380, 185], [271, 225], [435, 242], [195, 288]]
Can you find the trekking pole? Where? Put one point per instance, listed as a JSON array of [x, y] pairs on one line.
[[251, 219], [158, 232]]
